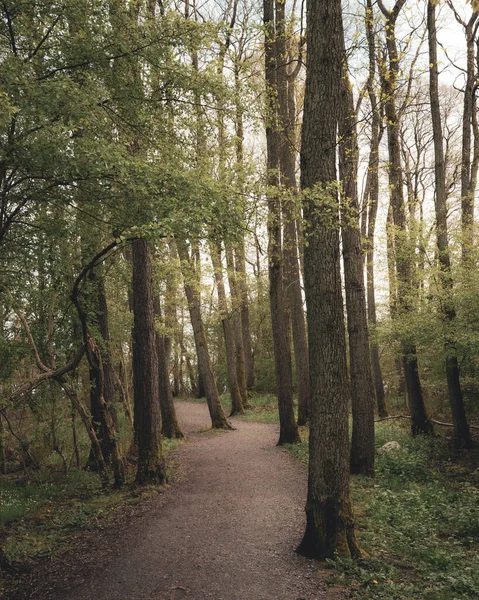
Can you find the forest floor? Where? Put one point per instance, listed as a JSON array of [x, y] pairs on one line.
[[226, 530]]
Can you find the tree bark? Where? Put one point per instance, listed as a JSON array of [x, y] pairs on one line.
[[362, 388], [151, 463], [462, 436], [329, 518], [373, 200], [287, 163], [279, 314]]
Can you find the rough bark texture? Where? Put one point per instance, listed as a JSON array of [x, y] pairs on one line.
[[403, 249], [362, 388], [151, 464], [372, 203], [169, 423], [102, 385], [231, 364], [218, 418], [287, 163], [329, 526], [279, 314], [462, 435]]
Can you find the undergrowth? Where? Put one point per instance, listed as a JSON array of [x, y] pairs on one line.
[[42, 510], [418, 521]]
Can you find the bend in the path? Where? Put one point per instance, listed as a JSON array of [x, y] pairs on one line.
[[226, 530]]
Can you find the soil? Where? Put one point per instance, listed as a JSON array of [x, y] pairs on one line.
[[226, 529]]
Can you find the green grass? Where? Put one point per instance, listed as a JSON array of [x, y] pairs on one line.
[[418, 520]]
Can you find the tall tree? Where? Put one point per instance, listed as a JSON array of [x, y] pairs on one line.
[[329, 518], [371, 195], [151, 463], [362, 388], [462, 435], [278, 305], [403, 249]]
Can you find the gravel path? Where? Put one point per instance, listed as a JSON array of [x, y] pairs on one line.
[[226, 530]]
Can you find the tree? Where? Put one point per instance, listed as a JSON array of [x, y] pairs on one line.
[[278, 303], [462, 436], [329, 518], [151, 464], [403, 248], [362, 389]]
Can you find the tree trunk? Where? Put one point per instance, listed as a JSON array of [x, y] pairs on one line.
[[362, 388], [151, 463], [467, 175], [404, 251], [462, 436], [237, 326], [373, 200], [287, 163], [218, 419], [102, 382], [169, 423], [231, 361], [329, 517], [279, 314]]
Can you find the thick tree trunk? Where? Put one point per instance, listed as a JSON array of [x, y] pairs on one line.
[[462, 435], [362, 388], [169, 423], [151, 463], [218, 419], [279, 314], [329, 517], [231, 362], [404, 251]]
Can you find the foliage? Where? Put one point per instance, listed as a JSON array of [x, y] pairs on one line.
[[418, 522]]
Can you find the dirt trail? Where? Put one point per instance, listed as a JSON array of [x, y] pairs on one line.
[[226, 530]]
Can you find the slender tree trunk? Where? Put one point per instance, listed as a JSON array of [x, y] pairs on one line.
[[362, 388], [287, 163], [373, 200], [218, 419], [151, 463], [462, 435], [169, 423], [231, 361], [329, 517], [404, 251], [279, 314], [467, 179], [237, 326]]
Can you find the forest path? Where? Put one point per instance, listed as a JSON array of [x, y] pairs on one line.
[[226, 529]]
